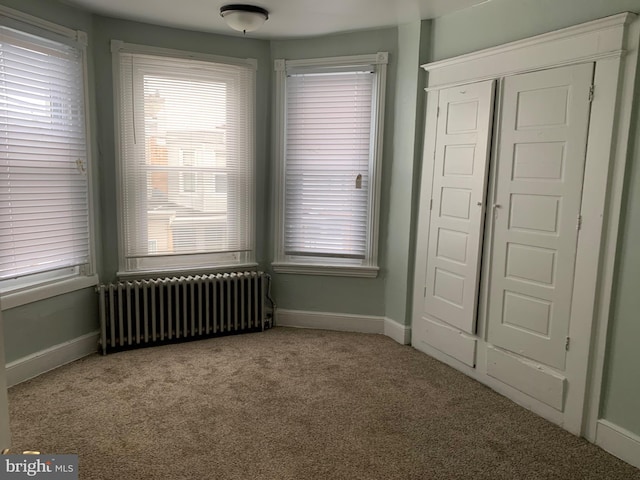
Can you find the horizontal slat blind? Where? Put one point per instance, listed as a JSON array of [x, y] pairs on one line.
[[328, 136], [44, 223], [187, 148]]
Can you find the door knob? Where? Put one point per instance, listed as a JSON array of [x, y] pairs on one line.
[[496, 207]]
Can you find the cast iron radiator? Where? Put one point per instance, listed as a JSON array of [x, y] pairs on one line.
[[144, 312]]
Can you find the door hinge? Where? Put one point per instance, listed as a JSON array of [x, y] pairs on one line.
[[431, 204], [591, 90], [579, 222], [425, 291], [566, 344], [438, 112]]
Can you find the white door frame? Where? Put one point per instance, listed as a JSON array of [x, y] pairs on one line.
[[5, 435], [611, 43]]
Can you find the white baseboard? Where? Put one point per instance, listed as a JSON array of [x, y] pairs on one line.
[[619, 442], [400, 333], [38, 363], [344, 322], [330, 321]]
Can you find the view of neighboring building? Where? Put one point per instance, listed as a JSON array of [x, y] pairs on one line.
[[187, 185]]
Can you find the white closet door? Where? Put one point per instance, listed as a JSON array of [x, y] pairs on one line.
[[458, 196], [5, 438], [543, 137]]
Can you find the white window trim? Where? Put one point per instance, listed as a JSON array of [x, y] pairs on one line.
[[118, 46], [281, 263], [36, 291], [179, 272], [328, 270]]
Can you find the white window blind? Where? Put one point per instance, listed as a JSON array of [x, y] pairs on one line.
[[327, 163], [44, 218], [187, 155]]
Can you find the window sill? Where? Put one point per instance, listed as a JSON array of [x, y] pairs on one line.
[[16, 298], [327, 270], [185, 272]]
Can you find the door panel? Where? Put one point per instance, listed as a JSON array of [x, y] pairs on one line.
[[545, 386], [542, 148], [458, 196], [446, 339]]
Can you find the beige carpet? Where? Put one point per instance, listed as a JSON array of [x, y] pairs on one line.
[[291, 404]]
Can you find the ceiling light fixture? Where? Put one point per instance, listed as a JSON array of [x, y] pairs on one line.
[[244, 18]]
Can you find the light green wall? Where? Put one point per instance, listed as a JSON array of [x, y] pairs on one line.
[[414, 49], [337, 294], [37, 326], [401, 174], [105, 29], [621, 400], [40, 325], [5, 433], [53, 11], [501, 21]]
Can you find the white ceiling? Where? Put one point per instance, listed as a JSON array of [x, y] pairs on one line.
[[287, 18]]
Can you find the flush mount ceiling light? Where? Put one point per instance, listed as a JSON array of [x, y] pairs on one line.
[[244, 18]]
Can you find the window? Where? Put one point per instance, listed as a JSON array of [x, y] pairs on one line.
[[188, 176], [44, 188], [186, 148], [331, 125]]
